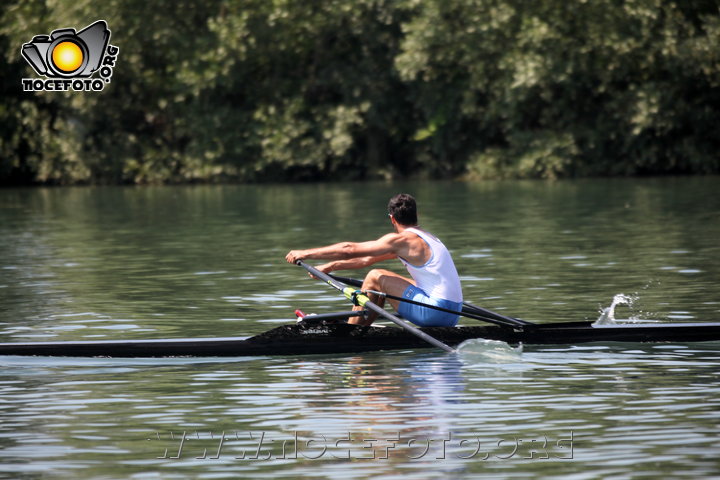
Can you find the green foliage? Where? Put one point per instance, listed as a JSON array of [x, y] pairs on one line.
[[258, 90]]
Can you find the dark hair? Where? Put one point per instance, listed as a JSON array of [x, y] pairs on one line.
[[403, 209]]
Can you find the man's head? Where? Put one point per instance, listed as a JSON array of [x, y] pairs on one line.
[[403, 209]]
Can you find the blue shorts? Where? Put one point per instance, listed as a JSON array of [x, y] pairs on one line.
[[428, 317]]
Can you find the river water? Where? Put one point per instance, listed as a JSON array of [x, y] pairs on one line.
[[201, 261]]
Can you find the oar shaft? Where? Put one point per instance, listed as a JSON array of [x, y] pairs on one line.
[[516, 322], [463, 313], [364, 301], [418, 333], [469, 310]]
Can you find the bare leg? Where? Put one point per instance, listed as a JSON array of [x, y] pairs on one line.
[[381, 281]]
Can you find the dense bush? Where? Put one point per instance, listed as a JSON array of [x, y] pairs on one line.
[[254, 90]]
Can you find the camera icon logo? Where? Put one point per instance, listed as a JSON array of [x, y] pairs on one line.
[[66, 54]]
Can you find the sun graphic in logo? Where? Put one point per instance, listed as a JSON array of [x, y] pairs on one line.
[[67, 56]]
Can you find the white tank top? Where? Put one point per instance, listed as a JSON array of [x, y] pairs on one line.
[[438, 277]]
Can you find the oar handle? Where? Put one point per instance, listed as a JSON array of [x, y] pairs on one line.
[[364, 301]]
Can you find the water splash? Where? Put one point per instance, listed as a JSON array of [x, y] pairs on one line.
[[480, 350], [607, 315]]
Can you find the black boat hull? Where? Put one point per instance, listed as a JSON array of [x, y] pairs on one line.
[[333, 338]]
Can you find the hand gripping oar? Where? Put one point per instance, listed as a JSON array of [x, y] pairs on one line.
[[364, 301], [469, 310]]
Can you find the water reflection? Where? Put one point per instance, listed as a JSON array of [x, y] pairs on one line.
[[607, 397]]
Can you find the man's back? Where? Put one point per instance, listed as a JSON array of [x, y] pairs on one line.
[[436, 275]]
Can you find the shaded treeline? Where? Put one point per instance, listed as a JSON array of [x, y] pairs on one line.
[[252, 90]]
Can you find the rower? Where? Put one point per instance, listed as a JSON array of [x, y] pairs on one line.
[[434, 278]]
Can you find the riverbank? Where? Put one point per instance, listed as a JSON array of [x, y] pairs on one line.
[[264, 92]]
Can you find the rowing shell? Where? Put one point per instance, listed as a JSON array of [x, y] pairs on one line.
[[329, 337]]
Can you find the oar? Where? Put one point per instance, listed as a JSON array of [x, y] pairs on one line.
[[364, 301], [463, 313], [469, 310]]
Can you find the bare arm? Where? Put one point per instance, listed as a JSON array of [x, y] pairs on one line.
[[352, 253], [354, 263]]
